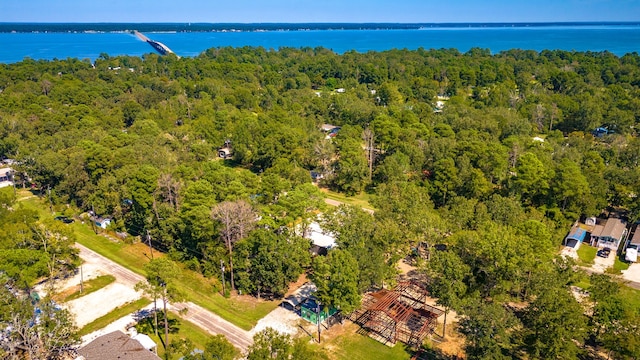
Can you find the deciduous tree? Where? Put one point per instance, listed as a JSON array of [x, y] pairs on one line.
[[237, 219]]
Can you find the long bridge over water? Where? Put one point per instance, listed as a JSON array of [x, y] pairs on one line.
[[161, 48]]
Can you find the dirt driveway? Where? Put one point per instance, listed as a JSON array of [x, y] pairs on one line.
[[101, 302]]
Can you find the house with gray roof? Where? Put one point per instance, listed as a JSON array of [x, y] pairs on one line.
[[115, 345], [609, 234]]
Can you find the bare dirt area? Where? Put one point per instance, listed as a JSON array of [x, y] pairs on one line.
[[99, 303], [282, 320], [452, 344], [96, 304], [569, 252]]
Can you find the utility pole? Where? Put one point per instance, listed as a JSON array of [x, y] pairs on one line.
[[81, 280], [222, 272], [155, 296], [166, 317], [92, 218], [319, 321], [149, 241]]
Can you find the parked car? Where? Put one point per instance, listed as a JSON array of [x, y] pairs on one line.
[[64, 219], [604, 252]]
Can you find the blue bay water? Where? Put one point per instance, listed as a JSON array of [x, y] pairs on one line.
[[619, 40]]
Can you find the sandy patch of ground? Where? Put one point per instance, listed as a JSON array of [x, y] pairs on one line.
[[569, 252], [282, 320], [286, 321], [89, 271], [99, 303], [452, 344]]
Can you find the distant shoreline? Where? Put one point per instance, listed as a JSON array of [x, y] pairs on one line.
[[8, 27]]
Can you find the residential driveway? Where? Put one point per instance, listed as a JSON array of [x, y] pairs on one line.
[[280, 319], [600, 264], [632, 273]]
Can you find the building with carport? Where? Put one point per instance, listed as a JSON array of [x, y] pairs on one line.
[[576, 236]]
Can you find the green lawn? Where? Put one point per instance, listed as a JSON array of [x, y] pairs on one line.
[[361, 200], [630, 296], [353, 346], [241, 311], [618, 265], [586, 254], [116, 314], [90, 286]]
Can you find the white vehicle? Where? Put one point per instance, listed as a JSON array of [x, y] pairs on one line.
[[632, 253]]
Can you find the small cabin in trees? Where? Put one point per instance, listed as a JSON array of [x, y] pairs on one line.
[[102, 222], [311, 311], [330, 130], [225, 152]]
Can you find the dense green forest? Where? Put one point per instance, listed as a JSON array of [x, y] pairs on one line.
[[490, 154]]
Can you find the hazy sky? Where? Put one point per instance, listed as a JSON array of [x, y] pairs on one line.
[[292, 11]]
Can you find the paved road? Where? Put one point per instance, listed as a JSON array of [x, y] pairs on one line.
[[214, 324], [201, 317]]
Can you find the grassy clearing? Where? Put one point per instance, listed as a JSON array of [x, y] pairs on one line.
[[618, 265], [630, 296], [361, 200], [116, 314], [90, 286], [586, 254], [243, 311], [349, 345]]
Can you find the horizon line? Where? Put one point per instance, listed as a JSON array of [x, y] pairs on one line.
[[330, 22]]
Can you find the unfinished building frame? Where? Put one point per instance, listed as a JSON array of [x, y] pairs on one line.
[[396, 315]]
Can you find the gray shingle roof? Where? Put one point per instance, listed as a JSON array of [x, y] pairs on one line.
[[114, 346]]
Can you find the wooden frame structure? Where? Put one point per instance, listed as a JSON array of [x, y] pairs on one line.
[[396, 315]]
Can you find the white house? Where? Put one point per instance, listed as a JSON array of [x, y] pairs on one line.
[[6, 177], [321, 240], [103, 222]]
